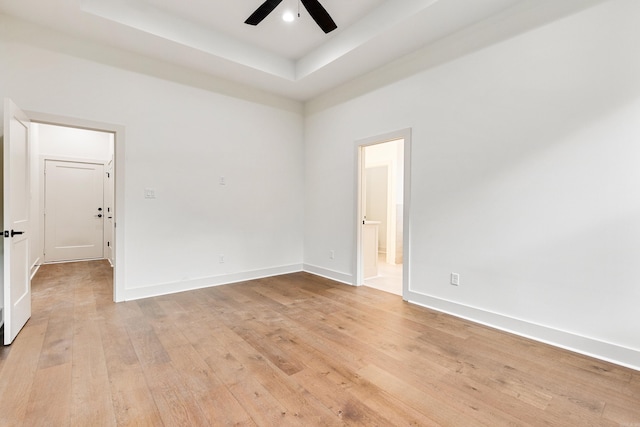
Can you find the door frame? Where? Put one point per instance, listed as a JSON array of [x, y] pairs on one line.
[[118, 177], [360, 145]]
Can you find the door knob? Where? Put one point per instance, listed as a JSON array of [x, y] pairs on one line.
[[99, 215], [13, 232]]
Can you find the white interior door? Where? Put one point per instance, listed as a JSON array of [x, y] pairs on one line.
[[74, 214], [15, 219]]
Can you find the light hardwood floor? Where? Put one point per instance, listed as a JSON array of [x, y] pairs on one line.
[[289, 350]]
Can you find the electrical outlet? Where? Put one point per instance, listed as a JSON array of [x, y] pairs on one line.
[[455, 279], [332, 254], [221, 259], [222, 181]]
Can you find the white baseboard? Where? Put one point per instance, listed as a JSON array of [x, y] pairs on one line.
[[598, 349], [34, 268], [205, 282], [347, 279], [67, 261]]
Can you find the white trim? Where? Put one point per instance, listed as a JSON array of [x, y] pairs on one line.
[[66, 261], [591, 347], [158, 289], [119, 284], [347, 279], [56, 158], [34, 268]]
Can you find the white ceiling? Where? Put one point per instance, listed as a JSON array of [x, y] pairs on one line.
[[296, 60]]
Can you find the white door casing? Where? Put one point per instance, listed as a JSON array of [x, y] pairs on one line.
[[108, 213], [74, 213], [15, 218]]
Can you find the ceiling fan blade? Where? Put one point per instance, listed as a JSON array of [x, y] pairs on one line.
[[320, 15], [261, 12]]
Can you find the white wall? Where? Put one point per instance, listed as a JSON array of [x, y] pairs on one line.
[[525, 181], [179, 141], [59, 141]]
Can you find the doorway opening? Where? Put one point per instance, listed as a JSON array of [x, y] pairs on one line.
[[76, 193], [382, 238], [108, 153]]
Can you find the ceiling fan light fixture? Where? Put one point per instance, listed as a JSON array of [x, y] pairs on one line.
[[288, 16], [317, 12]]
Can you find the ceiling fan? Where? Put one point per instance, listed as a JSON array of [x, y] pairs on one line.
[[315, 9]]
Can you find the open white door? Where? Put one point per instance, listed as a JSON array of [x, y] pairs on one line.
[[16, 278]]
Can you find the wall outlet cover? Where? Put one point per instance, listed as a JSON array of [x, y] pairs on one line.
[[455, 279]]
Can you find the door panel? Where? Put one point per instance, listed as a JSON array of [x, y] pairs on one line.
[[74, 215], [15, 218]]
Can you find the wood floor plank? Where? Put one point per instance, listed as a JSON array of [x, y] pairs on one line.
[[212, 396], [91, 400], [117, 347], [432, 405], [295, 349], [218, 352], [347, 407], [47, 408], [148, 347], [57, 346], [133, 403], [626, 413], [18, 373], [301, 407], [175, 401], [322, 370]]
